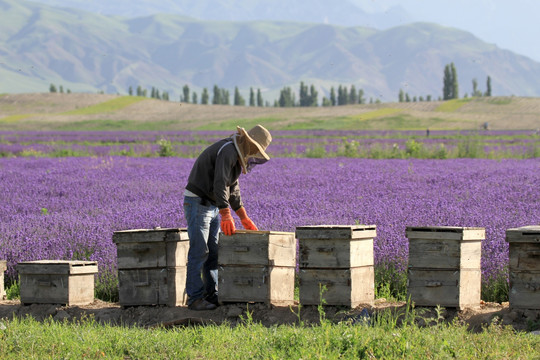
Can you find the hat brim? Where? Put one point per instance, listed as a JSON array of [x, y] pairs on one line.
[[243, 131]]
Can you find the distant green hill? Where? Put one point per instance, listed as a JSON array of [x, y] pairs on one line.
[[86, 52]]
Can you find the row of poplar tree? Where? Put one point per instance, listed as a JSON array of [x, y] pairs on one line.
[[307, 95]]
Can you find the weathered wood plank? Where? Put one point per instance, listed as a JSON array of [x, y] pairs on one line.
[[525, 290], [150, 235], [347, 287], [3, 267], [444, 254], [335, 253], [272, 285], [56, 289], [57, 267], [527, 234], [345, 232], [446, 233], [451, 288], [157, 286], [524, 257], [257, 248]]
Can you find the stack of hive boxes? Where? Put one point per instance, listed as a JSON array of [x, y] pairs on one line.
[[257, 266], [152, 266], [3, 267], [444, 265], [57, 281], [339, 258], [524, 267]]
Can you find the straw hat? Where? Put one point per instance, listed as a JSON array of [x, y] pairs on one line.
[[252, 144]]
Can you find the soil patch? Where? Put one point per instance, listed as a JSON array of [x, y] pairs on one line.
[[235, 313]]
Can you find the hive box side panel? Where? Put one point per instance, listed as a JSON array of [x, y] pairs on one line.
[[452, 288], [176, 286], [81, 289], [525, 290], [429, 253], [44, 288], [243, 250], [362, 285], [524, 256], [177, 252], [140, 255], [281, 286], [348, 287], [282, 250], [471, 254], [332, 253], [243, 283], [142, 287], [3, 267]]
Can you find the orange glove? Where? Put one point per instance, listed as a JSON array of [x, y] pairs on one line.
[[246, 221], [227, 221]]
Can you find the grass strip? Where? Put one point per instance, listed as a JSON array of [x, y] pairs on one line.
[[452, 105], [107, 106]]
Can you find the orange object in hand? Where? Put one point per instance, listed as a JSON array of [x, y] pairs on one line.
[[227, 221], [247, 223]]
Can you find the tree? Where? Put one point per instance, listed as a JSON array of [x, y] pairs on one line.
[[194, 98], [52, 88], [130, 90], [225, 97], [216, 100], [450, 82], [205, 97], [326, 101], [361, 99], [185, 90], [401, 96], [313, 96], [260, 101], [304, 97], [286, 97], [238, 99], [139, 91], [333, 96], [353, 96], [488, 86], [165, 96], [251, 97], [475, 90], [61, 88]]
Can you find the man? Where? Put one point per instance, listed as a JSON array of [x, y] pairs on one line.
[[213, 187]]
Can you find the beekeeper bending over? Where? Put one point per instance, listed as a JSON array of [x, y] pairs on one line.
[[213, 187]]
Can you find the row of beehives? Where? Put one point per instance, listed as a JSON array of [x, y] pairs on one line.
[[335, 262]]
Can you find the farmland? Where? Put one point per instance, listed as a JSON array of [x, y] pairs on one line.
[[65, 191]]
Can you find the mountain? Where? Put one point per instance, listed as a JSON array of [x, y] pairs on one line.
[[343, 12], [84, 51]]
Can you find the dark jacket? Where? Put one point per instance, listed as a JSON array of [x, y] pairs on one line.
[[214, 177]]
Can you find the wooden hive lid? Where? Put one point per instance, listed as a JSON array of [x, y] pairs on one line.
[[529, 234], [344, 232], [150, 235], [463, 233], [57, 267]]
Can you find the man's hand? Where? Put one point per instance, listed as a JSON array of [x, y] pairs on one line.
[[246, 221], [227, 221]]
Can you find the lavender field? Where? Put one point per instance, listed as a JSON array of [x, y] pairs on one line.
[[299, 143], [68, 208]]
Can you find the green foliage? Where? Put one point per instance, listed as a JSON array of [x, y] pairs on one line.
[[13, 291], [390, 282], [316, 151], [107, 106], [165, 148], [469, 147]]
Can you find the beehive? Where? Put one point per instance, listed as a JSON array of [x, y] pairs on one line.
[[524, 266], [152, 266], [257, 266], [444, 265], [336, 262], [3, 267], [57, 282]]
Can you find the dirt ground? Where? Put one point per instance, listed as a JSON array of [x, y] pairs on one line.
[[234, 313]]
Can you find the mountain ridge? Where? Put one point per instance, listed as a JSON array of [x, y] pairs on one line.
[[88, 52]]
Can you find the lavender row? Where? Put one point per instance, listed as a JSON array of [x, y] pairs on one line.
[[68, 208]]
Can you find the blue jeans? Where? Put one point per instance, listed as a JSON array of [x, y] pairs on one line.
[[203, 228]]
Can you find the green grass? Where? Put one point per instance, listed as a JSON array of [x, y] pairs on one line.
[[230, 125], [107, 106], [452, 105], [386, 335], [106, 125], [15, 118]]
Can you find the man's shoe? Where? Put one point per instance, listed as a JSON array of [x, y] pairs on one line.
[[201, 304], [212, 299]]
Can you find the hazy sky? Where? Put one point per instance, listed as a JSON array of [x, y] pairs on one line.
[[511, 24]]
